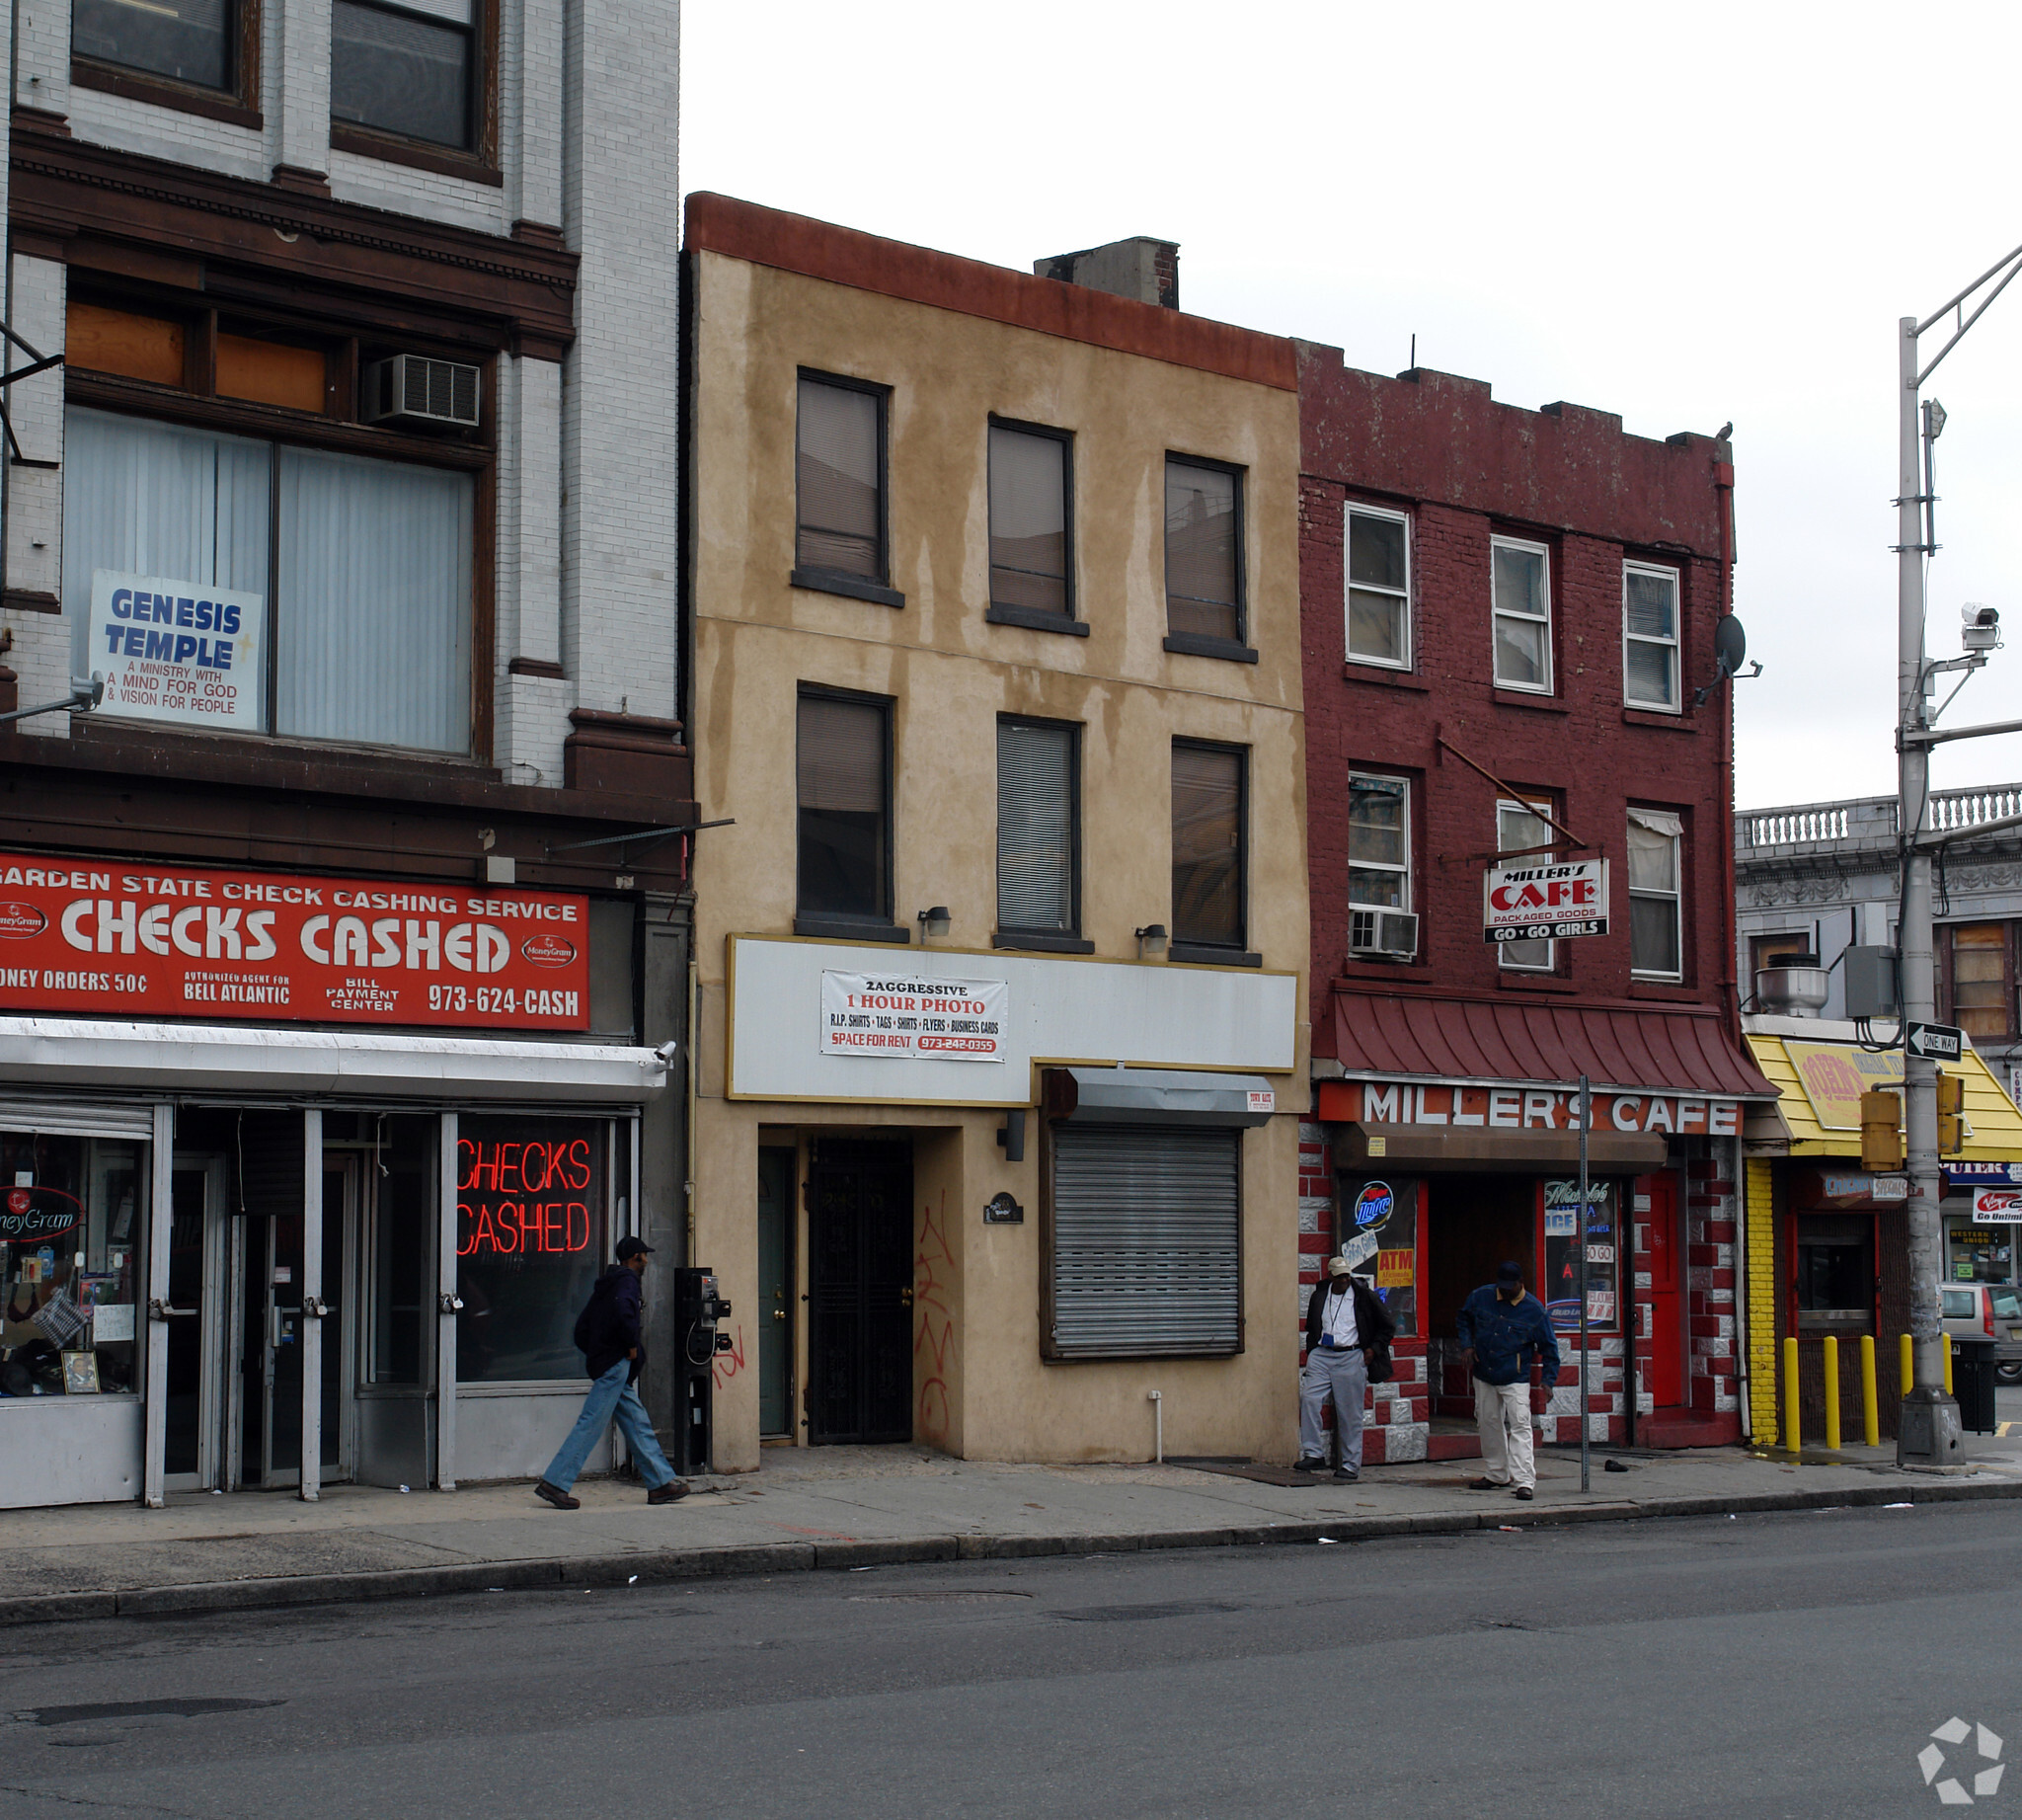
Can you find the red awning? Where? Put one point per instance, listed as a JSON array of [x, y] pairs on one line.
[[1397, 1035]]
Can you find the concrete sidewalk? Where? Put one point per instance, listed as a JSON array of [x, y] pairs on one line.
[[839, 1508]]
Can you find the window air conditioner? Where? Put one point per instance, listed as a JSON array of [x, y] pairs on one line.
[[420, 390], [1392, 933]]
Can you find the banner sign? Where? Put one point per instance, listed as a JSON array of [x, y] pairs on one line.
[[930, 1020], [1533, 902], [2001, 1204], [1834, 1076], [177, 651], [93, 938], [1525, 1108]]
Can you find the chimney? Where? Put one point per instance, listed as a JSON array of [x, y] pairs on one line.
[[1141, 268]]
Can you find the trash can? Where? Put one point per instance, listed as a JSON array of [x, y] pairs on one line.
[[1973, 1385]]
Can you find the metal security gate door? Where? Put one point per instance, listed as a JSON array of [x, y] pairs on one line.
[[860, 1294], [1146, 1251]]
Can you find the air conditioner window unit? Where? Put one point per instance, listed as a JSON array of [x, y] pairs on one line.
[[414, 388], [1372, 929]]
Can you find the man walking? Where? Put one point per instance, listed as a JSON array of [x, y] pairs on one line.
[[1344, 1326], [1500, 1327], [607, 1330]]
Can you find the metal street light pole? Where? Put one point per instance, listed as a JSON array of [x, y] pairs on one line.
[[1928, 1430]]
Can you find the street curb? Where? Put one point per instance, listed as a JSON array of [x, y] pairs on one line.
[[745, 1560]]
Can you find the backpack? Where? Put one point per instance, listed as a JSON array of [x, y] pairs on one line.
[[594, 1321]]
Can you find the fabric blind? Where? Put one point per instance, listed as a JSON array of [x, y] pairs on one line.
[[155, 498], [373, 640], [1201, 578], [1146, 1241], [838, 480], [1207, 869], [841, 762], [1034, 828], [1028, 520]]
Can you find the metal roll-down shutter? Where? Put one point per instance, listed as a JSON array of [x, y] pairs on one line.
[[1146, 1241]]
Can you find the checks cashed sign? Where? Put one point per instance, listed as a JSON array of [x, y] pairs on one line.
[[890, 1014]]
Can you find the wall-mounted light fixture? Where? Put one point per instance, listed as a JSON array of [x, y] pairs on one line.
[[1151, 941], [934, 921]]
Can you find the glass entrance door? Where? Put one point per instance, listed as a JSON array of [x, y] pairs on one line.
[[193, 1452]]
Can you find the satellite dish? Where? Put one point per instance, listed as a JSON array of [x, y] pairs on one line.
[[1730, 645]]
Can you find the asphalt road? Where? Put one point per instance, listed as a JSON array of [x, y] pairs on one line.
[[1778, 1665]]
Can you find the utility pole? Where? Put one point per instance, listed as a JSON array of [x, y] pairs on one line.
[[1928, 1430]]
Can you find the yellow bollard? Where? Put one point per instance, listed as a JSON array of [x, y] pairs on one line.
[[1791, 1437], [1870, 1407], [1907, 1364], [1945, 1340], [1833, 1393]]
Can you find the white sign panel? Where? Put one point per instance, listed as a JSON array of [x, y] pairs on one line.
[[1533, 902], [2001, 1204], [177, 651], [897, 1015]]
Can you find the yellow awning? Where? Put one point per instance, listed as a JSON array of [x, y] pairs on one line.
[[1819, 1114]]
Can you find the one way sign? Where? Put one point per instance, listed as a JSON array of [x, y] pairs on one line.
[[1940, 1042]]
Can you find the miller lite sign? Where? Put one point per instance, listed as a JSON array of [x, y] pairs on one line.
[[1527, 901]]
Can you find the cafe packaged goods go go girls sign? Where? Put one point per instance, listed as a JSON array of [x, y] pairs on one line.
[[98, 938], [1533, 903]]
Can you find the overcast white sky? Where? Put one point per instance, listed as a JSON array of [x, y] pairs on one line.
[[1680, 213]]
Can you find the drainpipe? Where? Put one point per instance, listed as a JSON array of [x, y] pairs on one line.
[[1157, 1399], [688, 1186], [1739, 1177], [1723, 486]]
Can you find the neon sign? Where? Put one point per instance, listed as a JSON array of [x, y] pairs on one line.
[[515, 1198]]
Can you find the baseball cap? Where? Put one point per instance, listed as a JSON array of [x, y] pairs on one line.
[[1337, 1266], [633, 1248], [1510, 1271]]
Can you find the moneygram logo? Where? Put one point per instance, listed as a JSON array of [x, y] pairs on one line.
[[1950, 1792]]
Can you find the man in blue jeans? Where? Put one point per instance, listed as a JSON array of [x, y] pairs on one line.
[[607, 1330]]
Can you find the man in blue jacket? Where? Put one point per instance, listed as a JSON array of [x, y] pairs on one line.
[[1501, 1328], [607, 1330]]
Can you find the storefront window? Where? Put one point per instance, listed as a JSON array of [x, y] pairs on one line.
[[1834, 1271], [1561, 1285], [531, 1237], [403, 1239], [73, 1214], [1979, 1253], [1379, 1235]]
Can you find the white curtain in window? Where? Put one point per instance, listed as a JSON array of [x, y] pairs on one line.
[[372, 640], [156, 498], [1653, 835]]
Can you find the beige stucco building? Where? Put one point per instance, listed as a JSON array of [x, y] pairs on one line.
[[993, 603]]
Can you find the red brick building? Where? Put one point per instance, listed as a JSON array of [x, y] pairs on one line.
[[1506, 617]]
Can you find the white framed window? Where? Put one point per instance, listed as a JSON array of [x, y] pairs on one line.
[[1650, 637], [1519, 827], [1379, 571], [1522, 582], [1657, 839], [1379, 843]]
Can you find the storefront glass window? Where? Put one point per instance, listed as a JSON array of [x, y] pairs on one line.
[[1379, 1235], [531, 1237], [73, 1215], [1834, 1271], [403, 1237], [1561, 1285], [1979, 1253]]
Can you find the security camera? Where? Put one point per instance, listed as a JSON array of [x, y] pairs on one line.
[[665, 1055], [1982, 630]]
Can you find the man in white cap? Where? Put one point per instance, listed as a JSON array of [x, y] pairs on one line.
[[1344, 1326]]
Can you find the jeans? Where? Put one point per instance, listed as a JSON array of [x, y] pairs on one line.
[[1343, 1377], [1501, 1414], [611, 1397]]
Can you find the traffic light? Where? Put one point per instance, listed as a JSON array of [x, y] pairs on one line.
[[1951, 1114], [1881, 1137]]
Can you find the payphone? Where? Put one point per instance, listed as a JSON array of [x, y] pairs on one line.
[[697, 1309]]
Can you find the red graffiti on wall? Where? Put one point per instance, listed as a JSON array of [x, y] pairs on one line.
[[934, 1331], [726, 1365]]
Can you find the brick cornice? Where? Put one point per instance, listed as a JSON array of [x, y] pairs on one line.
[[522, 289], [734, 229]]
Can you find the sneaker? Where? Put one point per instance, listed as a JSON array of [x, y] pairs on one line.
[[671, 1493], [1310, 1465], [1524, 1492], [1485, 1484], [555, 1496], [1346, 1476]]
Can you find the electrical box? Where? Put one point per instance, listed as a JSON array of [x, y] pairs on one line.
[[1951, 1114], [1881, 1131], [1869, 982]]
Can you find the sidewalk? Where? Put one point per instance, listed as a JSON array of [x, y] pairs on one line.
[[833, 1508]]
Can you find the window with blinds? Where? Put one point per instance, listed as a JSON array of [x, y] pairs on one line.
[[1031, 516], [1982, 1001], [1204, 550], [1038, 829], [1208, 846], [843, 768], [1145, 1241], [840, 471]]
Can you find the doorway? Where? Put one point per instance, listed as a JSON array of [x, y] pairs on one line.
[[775, 1292], [194, 1447], [1473, 1224], [860, 1293], [1665, 1294]]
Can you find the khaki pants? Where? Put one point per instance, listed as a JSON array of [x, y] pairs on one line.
[[1502, 1412]]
